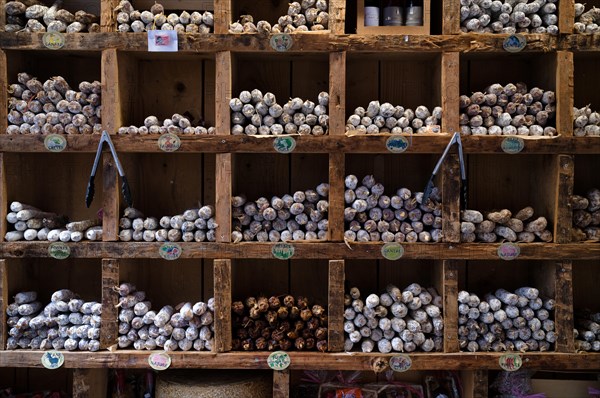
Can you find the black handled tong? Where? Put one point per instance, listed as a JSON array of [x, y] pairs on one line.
[[89, 193], [463, 174]]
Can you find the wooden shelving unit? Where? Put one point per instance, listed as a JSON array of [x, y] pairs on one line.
[[209, 70]]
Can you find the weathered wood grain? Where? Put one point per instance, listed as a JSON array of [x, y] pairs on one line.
[[450, 295], [563, 213], [563, 311], [335, 310], [451, 182], [110, 326], [564, 92], [222, 289], [281, 383]]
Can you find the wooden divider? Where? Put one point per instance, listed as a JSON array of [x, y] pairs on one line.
[[450, 310], [222, 16], [450, 181], [222, 318], [563, 311], [337, 16], [566, 16], [450, 17], [336, 197], [281, 384], [110, 313], [335, 306], [4, 301], [337, 93], [563, 215], [3, 197], [450, 91], [564, 92]]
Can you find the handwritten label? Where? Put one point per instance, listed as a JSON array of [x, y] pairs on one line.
[[55, 143], [162, 41], [511, 362], [283, 251], [53, 360], [397, 144], [513, 145], [514, 43], [59, 250], [53, 40], [170, 251], [400, 363], [284, 144], [279, 360], [508, 251], [169, 142], [392, 251], [281, 42], [159, 361]]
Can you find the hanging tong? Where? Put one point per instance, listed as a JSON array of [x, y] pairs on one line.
[[463, 174], [89, 193]]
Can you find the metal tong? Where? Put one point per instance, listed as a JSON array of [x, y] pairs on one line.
[[89, 193], [463, 175]]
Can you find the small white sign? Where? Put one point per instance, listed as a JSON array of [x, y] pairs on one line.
[[162, 41]]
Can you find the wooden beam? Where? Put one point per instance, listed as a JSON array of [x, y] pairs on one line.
[[566, 13], [451, 192], [4, 301], [450, 17], [563, 311], [281, 383], [108, 21], [337, 93], [450, 295], [222, 16], [450, 91], [223, 176], [222, 289], [111, 195], [563, 213], [564, 92], [111, 98], [109, 332], [336, 196], [4, 86], [4, 205], [336, 306], [337, 16]]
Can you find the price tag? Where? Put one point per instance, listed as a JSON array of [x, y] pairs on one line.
[[159, 361], [281, 42], [392, 251], [513, 145], [55, 143], [52, 360], [511, 362], [397, 144], [508, 251], [169, 142], [279, 360], [59, 250], [170, 251], [400, 363], [53, 40], [283, 251], [514, 43], [284, 144], [162, 41]]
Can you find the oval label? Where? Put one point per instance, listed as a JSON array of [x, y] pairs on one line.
[[279, 360], [283, 251], [284, 144], [55, 143], [159, 361], [170, 251], [53, 40], [508, 251], [513, 145], [52, 359], [281, 42], [400, 363], [59, 250], [397, 144], [514, 43], [392, 251], [169, 142], [511, 362]]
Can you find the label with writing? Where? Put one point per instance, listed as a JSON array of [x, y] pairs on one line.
[[162, 41], [279, 360], [511, 362], [169, 142], [513, 145], [400, 363], [284, 144], [508, 251], [170, 251], [55, 143], [283, 251], [281, 42], [53, 40], [392, 251], [514, 43], [52, 359], [59, 250], [159, 360], [397, 144]]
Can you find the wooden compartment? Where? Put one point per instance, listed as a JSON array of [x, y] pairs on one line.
[[269, 11], [424, 29], [92, 7], [586, 65], [28, 380], [585, 177], [586, 277], [155, 84], [176, 5]]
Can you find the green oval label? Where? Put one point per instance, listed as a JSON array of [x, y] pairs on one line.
[[508, 251], [53, 40], [397, 144], [283, 251], [52, 359], [59, 250], [159, 360], [169, 142], [513, 145], [170, 251], [392, 251], [279, 360], [511, 362], [514, 43], [281, 42], [55, 143], [284, 144], [400, 363]]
